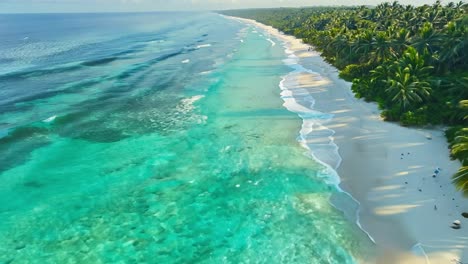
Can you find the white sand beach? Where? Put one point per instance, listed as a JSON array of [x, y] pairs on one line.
[[389, 169]]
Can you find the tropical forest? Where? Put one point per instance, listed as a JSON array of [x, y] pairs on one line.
[[412, 61]]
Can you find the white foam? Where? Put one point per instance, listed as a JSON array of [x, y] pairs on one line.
[[186, 104], [418, 250], [203, 46], [205, 72], [186, 61], [226, 149], [272, 42], [313, 128], [192, 99], [50, 119]]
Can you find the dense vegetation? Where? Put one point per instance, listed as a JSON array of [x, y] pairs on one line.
[[412, 61]]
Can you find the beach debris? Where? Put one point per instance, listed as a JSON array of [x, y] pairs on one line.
[[433, 175], [435, 207], [420, 190], [464, 214], [429, 137], [456, 224], [406, 182]]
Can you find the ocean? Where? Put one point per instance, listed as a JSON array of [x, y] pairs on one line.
[[158, 138]]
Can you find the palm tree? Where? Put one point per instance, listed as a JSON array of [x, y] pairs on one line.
[[433, 15], [406, 90], [381, 47], [455, 43], [416, 64], [461, 180], [460, 148], [400, 42], [428, 38], [380, 73], [464, 106], [340, 45], [460, 151], [363, 45]]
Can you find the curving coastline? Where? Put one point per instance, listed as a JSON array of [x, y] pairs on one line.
[[386, 168], [314, 135]]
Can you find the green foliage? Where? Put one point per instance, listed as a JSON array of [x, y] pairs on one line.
[[353, 71], [392, 114], [460, 145], [461, 180], [416, 118], [363, 88], [463, 110], [406, 90], [459, 150], [451, 132]]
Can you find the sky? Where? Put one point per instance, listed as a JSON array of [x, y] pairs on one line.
[[52, 6]]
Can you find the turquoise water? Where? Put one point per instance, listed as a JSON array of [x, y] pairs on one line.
[[166, 144]]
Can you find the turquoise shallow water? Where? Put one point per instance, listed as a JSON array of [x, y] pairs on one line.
[[171, 147]]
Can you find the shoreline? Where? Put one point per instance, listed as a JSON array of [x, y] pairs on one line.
[[387, 168]]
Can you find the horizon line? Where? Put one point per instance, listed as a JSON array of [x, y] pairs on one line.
[[173, 11]]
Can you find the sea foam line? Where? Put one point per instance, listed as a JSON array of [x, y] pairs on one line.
[[272, 42], [50, 119], [203, 46], [293, 105]]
